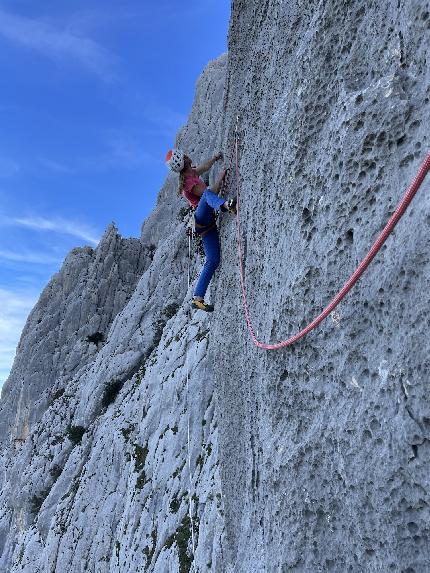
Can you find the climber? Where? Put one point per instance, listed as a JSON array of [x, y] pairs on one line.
[[206, 201]]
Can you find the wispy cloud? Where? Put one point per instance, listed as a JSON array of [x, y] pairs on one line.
[[123, 150], [57, 225], [127, 152], [58, 43], [159, 119], [29, 257], [14, 310], [8, 167], [119, 149], [56, 166], [167, 120]]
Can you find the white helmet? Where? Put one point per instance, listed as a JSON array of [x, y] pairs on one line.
[[175, 160]]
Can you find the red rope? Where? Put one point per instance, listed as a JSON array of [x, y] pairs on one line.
[[401, 208]]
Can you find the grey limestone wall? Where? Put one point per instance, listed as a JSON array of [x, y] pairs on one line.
[[324, 446], [82, 299]]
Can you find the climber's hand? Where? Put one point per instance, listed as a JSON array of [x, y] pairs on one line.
[[219, 156]]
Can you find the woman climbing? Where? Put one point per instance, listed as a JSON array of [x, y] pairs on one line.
[[205, 201]]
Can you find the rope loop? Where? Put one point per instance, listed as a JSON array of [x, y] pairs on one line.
[[392, 222]]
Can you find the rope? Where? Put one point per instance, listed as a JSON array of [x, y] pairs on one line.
[[400, 210], [190, 499]]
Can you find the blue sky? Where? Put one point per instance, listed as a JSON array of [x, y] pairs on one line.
[[92, 93]]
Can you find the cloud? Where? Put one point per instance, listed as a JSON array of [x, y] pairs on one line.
[[123, 150], [58, 44], [29, 257], [126, 152], [120, 150], [56, 166], [159, 119], [57, 225], [8, 167], [166, 119], [14, 310]]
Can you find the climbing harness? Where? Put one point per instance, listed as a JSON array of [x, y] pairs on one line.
[[194, 229], [196, 232], [392, 222], [203, 230]]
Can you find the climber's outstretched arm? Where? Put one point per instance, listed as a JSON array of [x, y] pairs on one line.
[[208, 164]]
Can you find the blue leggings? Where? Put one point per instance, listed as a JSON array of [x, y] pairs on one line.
[[209, 202]]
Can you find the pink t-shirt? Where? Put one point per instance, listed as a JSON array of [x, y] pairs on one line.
[[189, 182]]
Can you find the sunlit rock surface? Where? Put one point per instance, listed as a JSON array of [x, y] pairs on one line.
[[324, 446]]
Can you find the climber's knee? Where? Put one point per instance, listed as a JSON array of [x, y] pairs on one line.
[[214, 262]]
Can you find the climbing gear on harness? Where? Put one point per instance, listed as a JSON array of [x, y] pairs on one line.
[[201, 305], [190, 223], [175, 160], [193, 236], [196, 230], [392, 222]]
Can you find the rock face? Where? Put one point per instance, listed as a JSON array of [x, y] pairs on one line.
[[324, 447], [313, 458], [80, 301]]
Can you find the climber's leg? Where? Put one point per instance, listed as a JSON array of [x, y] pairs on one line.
[[208, 202], [212, 250]]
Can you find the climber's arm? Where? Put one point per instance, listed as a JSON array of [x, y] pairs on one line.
[[208, 164]]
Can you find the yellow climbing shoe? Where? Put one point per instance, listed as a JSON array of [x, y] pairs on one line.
[[201, 305]]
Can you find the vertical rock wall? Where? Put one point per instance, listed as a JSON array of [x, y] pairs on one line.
[[325, 446]]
